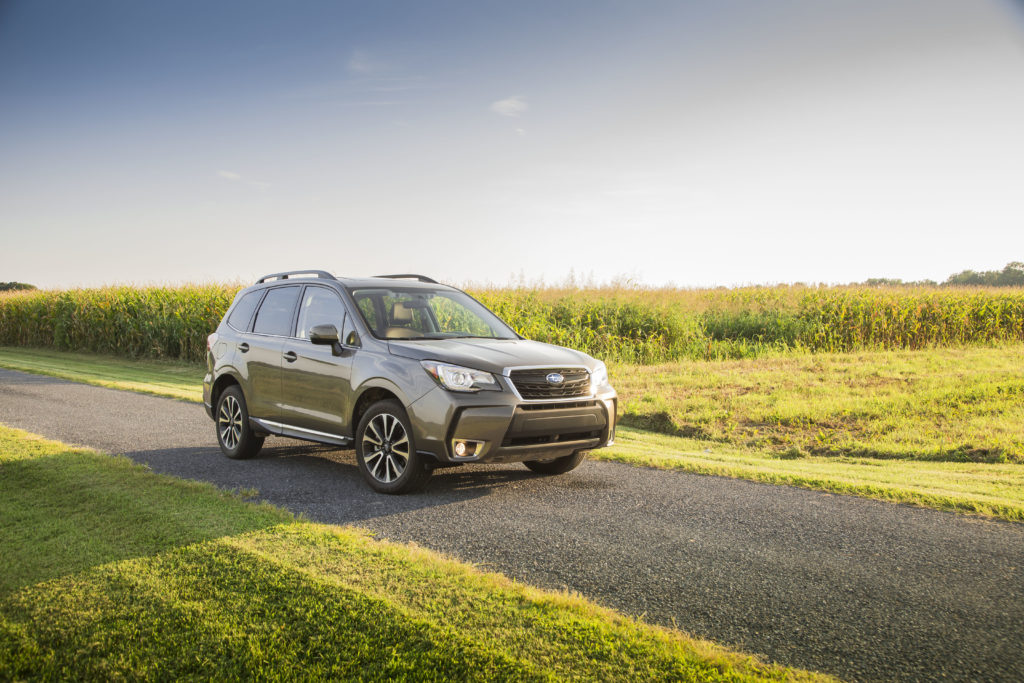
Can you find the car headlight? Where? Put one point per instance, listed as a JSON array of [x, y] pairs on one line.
[[457, 378], [598, 377]]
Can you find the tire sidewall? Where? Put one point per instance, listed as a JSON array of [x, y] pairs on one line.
[[244, 448]]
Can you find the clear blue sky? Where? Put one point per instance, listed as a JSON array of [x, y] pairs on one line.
[[698, 143]]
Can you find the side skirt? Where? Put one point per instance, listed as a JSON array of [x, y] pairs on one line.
[[282, 429]]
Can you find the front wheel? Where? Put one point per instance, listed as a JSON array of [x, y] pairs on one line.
[[234, 433], [386, 452], [557, 465]]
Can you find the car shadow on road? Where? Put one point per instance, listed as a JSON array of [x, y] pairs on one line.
[[324, 483]]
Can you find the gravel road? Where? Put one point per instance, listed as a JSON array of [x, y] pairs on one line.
[[858, 588]]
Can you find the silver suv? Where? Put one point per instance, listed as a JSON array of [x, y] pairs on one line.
[[415, 374]]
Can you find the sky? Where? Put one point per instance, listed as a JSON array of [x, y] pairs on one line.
[[709, 143]]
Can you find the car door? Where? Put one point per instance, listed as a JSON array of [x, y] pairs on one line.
[[316, 380], [272, 326]]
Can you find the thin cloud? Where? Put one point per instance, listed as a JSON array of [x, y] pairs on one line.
[[361, 63], [233, 177], [368, 103], [511, 106]]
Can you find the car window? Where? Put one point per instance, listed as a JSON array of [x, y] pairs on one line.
[[368, 310], [407, 313], [241, 314], [427, 314], [320, 306], [275, 314]]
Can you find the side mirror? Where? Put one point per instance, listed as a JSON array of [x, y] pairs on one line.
[[352, 339], [323, 334]]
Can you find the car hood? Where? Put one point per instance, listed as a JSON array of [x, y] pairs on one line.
[[490, 355]]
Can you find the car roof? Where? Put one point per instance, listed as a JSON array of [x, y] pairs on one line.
[[398, 282], [388, 283]]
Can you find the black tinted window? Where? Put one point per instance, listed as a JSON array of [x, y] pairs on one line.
[[275, 315], [320, 306], [241, 314]]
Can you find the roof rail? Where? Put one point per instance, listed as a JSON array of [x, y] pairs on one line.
[[405, 276], [284, 276]]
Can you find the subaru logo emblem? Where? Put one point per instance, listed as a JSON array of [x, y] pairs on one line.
[[554, 378]]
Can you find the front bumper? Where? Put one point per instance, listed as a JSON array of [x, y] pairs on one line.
[[500, 427]]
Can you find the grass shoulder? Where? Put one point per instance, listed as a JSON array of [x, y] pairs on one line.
[[919, 415], [112, 571], [173, 379], [995, 490]]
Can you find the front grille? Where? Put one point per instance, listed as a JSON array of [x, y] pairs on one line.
[[533, 384]]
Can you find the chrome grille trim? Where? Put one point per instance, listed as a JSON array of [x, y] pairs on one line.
[[530, 383]]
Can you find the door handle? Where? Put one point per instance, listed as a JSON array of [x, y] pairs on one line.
[[291, 356], [243, 347]]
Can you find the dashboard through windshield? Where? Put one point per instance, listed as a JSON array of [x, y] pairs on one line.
[[410, 314]]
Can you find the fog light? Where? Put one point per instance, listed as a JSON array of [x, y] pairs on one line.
[[466, 448]]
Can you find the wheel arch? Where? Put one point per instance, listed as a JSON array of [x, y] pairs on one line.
[[226, 380], [371, 392]]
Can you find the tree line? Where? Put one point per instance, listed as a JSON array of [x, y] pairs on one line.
[[1010, 276]]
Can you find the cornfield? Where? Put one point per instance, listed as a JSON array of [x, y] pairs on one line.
[[622, 324], [153, 322]]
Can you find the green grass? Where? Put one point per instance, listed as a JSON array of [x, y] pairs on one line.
[[175, 379], [941, 404], [847, 423], [995, 490], [109, 571]]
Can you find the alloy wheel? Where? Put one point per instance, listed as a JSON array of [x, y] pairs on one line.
[[385, 448], [229, 421]]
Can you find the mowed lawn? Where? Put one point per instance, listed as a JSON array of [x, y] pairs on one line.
[[995, 490], [109, 571], [950, 404], [938, 427], [174, 379]]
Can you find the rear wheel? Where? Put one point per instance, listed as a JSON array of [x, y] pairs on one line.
[[235, 435], [557, 465], [386, 452]]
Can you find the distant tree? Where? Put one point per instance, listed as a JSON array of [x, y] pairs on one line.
[[14, 286], [1010, 276], [896, 282]]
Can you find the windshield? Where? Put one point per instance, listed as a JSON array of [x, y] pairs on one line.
[[396, 313]]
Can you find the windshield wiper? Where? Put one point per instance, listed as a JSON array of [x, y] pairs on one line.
[[427, 337]]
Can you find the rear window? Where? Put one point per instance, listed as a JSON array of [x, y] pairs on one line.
[[275, 314], [241, 314]]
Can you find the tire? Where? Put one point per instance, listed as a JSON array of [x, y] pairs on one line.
[[386, 452], [557, 465], [234, 433]]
